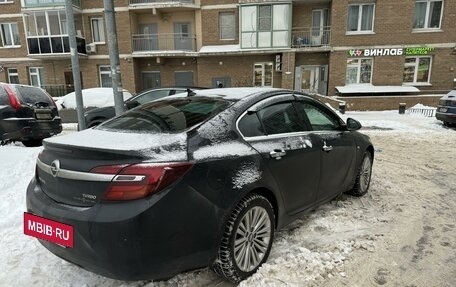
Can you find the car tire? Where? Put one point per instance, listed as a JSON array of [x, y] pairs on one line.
[[33, 142], [363, 176], [247, 239]]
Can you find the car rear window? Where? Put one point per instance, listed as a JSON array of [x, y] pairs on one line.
[[32, 95], [168, 116]]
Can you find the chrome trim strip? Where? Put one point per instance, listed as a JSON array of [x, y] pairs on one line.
[[76, 175]]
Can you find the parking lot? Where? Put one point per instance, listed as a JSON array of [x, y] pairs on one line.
[[402, 233]]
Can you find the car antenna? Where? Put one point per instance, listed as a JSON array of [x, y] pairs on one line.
[[190, 93]]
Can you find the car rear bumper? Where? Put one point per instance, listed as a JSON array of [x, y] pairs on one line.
[[154, 238], [30, 128], [446, 117]]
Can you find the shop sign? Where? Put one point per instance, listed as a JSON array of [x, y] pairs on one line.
[[416, 51]]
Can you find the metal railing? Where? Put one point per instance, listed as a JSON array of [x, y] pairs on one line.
[[427, 112], [311, 37], [134, 2], [51, 45], [164, 42], [45, 3]]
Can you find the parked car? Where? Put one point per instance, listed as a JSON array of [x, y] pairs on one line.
[[92, 97], [446, 110], [187, 182], [27, 114], [97, 116]]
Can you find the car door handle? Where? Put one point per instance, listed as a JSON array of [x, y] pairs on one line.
[[327, 148], [277, 153]]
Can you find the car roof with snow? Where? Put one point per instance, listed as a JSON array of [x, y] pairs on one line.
[[234, 94], [450, 95]]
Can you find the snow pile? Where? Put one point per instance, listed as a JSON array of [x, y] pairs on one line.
[[94, 97]]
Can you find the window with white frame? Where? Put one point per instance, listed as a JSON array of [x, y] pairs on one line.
[[9, 34], [13, 76], [360, 18], [417, 70], [263, 74], [227, 22], [428, 14], [98, 35], [36, 76], [359, 71], [265, 26], [6, 1], [105, 76]]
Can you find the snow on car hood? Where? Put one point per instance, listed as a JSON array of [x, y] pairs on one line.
[[162, 147]]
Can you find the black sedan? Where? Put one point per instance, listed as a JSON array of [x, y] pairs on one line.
[[96, 116], [187, 182]]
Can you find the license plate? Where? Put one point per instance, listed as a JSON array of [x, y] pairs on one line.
[[443, 110], [50, 230], [43, 116]]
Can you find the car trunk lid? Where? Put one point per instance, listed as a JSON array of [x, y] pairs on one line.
[[68, 169]]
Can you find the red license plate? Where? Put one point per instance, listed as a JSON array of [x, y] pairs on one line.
[[47, 229]]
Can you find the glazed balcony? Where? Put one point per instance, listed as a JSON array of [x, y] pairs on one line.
[[309, 37], [164, 42], [163, 4], [48, 3], [160, 2], [53, 46]]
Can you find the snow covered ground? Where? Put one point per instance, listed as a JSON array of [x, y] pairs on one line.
[[402, 233]]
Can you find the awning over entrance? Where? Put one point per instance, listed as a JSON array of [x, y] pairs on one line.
[[371, 89]]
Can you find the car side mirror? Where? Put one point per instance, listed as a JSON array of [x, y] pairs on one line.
[[131, 104], [353, 125]]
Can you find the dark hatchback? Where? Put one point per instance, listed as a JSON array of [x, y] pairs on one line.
[[187, 182], [96, 116], [27, 114], [446, 110]]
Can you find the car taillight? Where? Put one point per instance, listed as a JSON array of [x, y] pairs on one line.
[[14, 101], [140, 180]]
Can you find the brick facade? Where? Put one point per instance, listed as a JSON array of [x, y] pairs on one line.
[[393, 28]]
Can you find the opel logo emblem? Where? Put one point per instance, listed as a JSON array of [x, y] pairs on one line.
[[55, 167]]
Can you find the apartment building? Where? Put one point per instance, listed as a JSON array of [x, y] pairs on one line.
[[343, 47]]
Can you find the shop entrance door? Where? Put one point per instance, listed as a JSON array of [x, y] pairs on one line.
[[312, 79]]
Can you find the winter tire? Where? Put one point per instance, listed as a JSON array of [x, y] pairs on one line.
[[363, 177], [247, 239]]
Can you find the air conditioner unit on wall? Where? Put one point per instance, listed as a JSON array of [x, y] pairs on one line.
[[91, 48]]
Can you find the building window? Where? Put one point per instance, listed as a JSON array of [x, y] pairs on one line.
[[97, 25], [36, 76], [227, 24], [262, 76], [428, 14], [13, 76], [360, 18], [9, 34], [359, 71], [105, 76], [265, 26], [417, 70]]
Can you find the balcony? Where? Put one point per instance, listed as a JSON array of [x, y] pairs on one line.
[[164, 42], [53, 46], [146, 2], [311, 37], [163, 4], [48, 3]]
